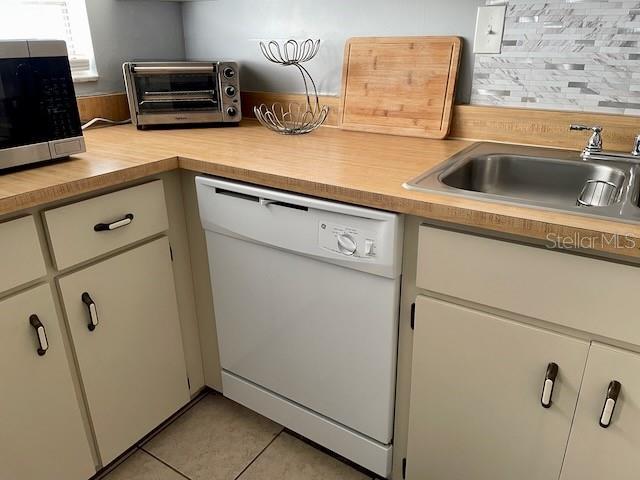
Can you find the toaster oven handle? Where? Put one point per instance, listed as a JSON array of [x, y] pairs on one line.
[[181, 92], [174, 69], [177, 99]]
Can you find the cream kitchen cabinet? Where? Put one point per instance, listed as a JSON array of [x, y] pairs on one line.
[[503, 330], [476, 409], [123, 319], [87, 229], [20, 253], [604, 445], [563, 289], [42, 435]]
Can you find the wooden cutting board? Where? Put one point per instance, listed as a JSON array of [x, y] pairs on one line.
[[400, 85]]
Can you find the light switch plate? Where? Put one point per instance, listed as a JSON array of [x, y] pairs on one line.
[[489, 29]]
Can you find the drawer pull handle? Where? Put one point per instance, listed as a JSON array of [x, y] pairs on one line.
[[107, 227], [93, 311], [610, 403], [549, 384], [43, 343]]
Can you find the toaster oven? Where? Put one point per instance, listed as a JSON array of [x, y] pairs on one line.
[[182, 93]]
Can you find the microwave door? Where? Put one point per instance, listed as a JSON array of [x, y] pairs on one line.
[[37, 101], [56, 108], [19, 122]]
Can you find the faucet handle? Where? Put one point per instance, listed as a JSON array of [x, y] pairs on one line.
[[581, 128], [636, 147], [595, 142]]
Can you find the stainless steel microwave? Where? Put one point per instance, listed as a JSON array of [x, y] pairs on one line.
[[182, 93], [39, 117]]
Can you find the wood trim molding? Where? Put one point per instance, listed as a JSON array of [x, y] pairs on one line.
[[546, 128], [527, 126], [113, 106]]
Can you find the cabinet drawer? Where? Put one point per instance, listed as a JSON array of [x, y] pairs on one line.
[[592, 295], [87, 229], [20, 253]]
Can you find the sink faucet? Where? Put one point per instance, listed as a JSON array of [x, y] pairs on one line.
[[595, 141], [594, 150]]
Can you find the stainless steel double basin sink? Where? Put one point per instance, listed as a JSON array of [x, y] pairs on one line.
[[558, 180]]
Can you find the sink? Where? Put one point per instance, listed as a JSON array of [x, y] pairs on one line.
[[545, 178], [541, 180]]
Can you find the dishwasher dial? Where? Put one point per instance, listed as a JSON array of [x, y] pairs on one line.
[[346, 244]]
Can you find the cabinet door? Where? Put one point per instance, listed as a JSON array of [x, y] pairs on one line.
[[477, 382], [41, 429], [596, 452], [131, 362]]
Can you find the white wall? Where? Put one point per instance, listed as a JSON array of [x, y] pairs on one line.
[[131, 30], [231, 29]]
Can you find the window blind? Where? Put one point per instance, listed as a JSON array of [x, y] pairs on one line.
[[52, 19]]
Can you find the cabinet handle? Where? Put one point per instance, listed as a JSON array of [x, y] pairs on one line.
[[549, 383], [610, 403], [43, 343], [93, 311], [106, 227]]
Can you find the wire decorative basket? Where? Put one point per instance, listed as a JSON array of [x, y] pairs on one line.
[[293, 118]]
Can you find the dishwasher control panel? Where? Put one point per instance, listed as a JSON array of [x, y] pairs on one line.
[[347, 241], [353, 237]]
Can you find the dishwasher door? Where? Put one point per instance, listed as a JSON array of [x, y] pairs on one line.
[[296, 316], [320, 335]]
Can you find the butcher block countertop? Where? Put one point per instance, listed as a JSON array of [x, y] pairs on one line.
[[359, 168]]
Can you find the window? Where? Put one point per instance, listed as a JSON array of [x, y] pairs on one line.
[[52, 19]]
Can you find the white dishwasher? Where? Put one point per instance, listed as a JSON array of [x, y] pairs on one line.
[[306, 297]]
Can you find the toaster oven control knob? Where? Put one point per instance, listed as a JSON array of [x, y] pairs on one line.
[[229, 72], [230, 91], [232, 111], [347, 245]]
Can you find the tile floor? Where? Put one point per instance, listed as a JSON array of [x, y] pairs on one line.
[[217, 439]]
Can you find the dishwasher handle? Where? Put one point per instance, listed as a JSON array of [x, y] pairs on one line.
[[267, 202], [263, 201]]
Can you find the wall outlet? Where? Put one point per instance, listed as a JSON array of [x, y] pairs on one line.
[[489, 29]]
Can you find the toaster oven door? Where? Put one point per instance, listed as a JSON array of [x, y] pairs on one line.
[[160, 92]]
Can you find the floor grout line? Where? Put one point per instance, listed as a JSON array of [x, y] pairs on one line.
[[119, 461], [237, 477], [165, 464], [325, 451], [105, 472], [192, 403]]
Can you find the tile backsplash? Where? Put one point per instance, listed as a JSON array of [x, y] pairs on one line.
[[564, 55]]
